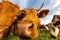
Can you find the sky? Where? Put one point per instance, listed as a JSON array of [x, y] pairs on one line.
[[52, 5]]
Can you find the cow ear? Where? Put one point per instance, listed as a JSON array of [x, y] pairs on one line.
[[43, 13]]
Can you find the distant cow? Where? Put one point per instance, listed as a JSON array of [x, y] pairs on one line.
[[28, 22], [54, 26]]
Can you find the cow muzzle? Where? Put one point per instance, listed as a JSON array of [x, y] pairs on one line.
[[26, 28], [54, 32]]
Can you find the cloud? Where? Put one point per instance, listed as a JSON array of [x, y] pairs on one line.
[[57, 12], [21, 3], [59, 8], [53, 4], [56, 3], [50, 4], [47, 19], [0, 0]]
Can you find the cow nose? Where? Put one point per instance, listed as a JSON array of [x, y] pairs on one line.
[[25, 28], [54, 32], [28, 29], [52, 36]]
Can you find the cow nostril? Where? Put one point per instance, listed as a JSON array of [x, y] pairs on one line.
[[31, 26], [53, 29]]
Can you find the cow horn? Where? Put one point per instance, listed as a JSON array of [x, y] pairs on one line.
[[40, 7], [46, 27]]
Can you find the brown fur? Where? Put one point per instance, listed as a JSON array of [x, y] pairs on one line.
[[8, 15]]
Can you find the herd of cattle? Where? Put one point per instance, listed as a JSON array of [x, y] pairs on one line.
[[26, 22]]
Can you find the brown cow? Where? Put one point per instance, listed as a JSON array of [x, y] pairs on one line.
[[28, 22], [8, 15]]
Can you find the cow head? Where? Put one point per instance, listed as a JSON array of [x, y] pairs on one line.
[[28, 22], [56, 24], [54, 28]]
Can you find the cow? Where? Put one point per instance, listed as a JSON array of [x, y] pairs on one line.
[[54, 26], [25, 21], [54, 30], [27, 24]]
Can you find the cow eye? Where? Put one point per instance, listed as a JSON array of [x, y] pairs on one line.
[[31, 26], [57, 23]]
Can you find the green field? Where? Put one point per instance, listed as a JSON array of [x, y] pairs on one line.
[[43, 35]]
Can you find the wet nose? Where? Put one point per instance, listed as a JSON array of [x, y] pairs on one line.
[[52, 36], [54, 32], [28, 29]]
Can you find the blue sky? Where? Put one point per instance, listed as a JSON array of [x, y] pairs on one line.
[[52, 5]]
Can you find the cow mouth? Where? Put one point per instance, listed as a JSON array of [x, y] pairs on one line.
[[54, 32]]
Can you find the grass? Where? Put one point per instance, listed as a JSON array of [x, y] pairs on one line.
[[43, 35]]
